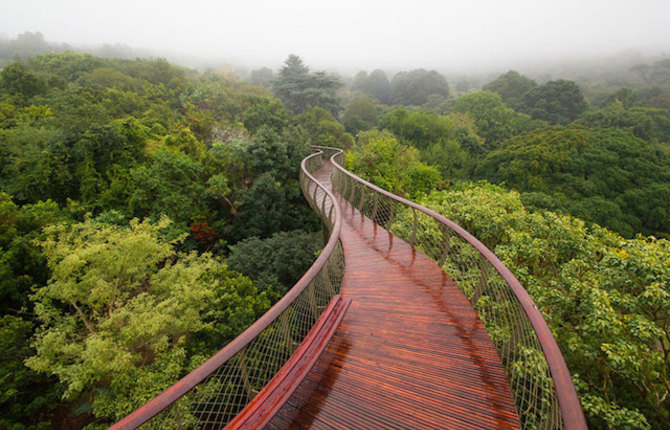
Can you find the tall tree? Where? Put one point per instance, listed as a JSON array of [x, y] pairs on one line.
[[299, 89]]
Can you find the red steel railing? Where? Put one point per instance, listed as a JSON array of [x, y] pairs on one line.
[[214, 393], [541, 383]]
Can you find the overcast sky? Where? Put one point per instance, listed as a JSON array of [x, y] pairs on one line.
[[354, 34]]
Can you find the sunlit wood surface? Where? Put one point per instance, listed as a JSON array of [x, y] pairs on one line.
[[409, 353]]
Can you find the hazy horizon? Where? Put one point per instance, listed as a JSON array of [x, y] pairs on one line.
[[350, 35]]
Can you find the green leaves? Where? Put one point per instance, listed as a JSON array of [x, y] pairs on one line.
[[604, 176], [606, 299], [299, 89], [123, 304], [381, 159], [558, 102], [495, 121]]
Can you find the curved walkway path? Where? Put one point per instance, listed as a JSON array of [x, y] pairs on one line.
[[410, 352]]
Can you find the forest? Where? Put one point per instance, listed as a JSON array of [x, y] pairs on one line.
[[150, 213]]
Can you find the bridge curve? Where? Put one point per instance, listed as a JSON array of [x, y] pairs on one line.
[[439, 333], [410, 352]]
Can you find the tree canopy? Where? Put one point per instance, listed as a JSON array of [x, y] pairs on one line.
[[558, 102], [94, 155], [122, 308], [414, 88], [605, 176], [511, 87], [376, 84], [298, 89]]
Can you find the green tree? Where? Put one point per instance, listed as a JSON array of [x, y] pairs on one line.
[[420, 128], [361, 113], [36, 164], [269, 199], [495, 121], [277, 262], [322, 129], [26, 397], [415, 87], [559, 102], [376, 85], [379, 157], [601, 175], [299, 89], [16, 80], [652, 125], [171, 184], [511, 86], [122, 307]]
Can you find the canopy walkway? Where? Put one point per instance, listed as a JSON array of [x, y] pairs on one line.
[[404, 321]]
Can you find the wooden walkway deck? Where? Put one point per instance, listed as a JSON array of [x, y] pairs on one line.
[[410, 352]]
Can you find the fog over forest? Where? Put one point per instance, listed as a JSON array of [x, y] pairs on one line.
[[350, 35]]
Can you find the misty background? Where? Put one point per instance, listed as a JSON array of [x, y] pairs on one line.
[[473, 37]]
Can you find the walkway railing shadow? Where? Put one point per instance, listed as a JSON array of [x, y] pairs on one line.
[[541, 384], [214, 393]]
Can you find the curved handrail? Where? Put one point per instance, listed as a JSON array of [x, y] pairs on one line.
[[313, 290], [384, 212]]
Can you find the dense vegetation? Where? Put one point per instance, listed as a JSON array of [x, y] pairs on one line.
[[122, 184], [602, 286], [150, 213]]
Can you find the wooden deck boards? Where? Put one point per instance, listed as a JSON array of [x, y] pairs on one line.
[[409, 353]]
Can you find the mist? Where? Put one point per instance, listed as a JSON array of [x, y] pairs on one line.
[[350, 35]]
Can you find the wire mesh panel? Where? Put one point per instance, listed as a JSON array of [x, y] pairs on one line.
[[213, 394], [543, 391]]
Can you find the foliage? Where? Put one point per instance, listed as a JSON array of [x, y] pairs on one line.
[[604, 297], [361, 114], [379, 157], [415, 87], [25, 395], [376, 85], [652, 125], [420, 128], [323, 130], [299, 89], [17, 81], [448, 142], [604, 176], [86, 138], [120, 306], [21, 263], [278, 262], [558, 102], [32, 164], [495, 122], [171, 185], [511, 87]]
